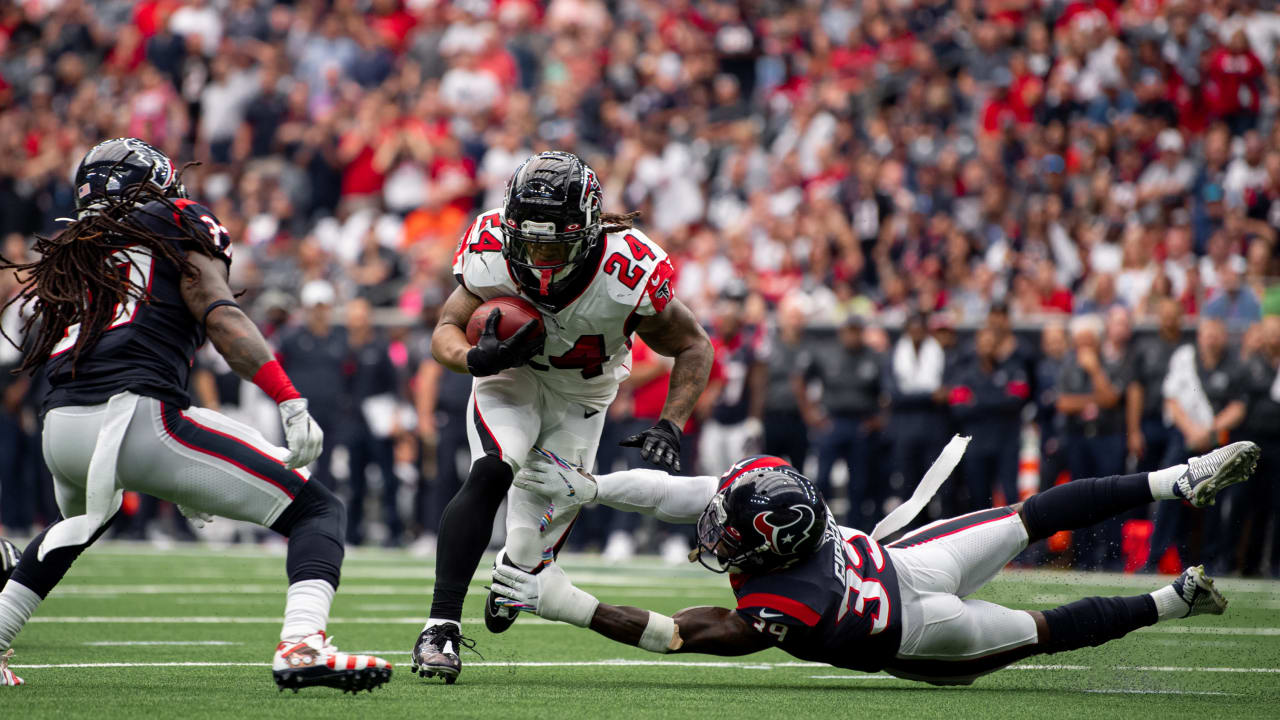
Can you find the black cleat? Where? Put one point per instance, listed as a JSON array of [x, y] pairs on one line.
[[436, 652]]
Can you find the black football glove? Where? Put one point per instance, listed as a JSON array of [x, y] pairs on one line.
[[491, 356], [659, 444]]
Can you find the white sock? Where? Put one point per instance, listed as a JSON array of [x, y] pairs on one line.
[[17, 603], [1168, 605], [306, 609], [1161, 482], [432, 622]]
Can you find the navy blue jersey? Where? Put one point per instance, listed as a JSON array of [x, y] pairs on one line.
[[150, 345], [841, 606]]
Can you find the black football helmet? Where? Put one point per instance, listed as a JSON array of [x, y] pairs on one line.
[[551, 223], [9, 554], [113, 166], [765, 520]]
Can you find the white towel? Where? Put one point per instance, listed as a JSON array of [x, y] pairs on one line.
[[1275, 388], [1182, 385], [102, 496], [933, 478], [918, 372]]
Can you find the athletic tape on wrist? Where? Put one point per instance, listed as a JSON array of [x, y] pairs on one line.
[[658, 633]]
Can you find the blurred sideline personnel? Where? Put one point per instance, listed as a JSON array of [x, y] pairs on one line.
[[831, 594], [596, 280], [853, 390], [1260, 501], [372, 423], [314, 355], [987, 396], [1148, 436], [918, 423], [122, 298], [735, 427], [1089, 391], [785, 433], [1205, 398]]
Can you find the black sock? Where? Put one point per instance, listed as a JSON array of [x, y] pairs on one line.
[[315, 523], [465, 529], [1084, 502], [40, 576], [1095, 620]]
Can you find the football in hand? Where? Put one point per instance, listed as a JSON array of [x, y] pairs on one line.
[[516, 311]]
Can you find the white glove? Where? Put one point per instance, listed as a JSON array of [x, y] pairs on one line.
[[562, 483], [301, 433], [197, 519], [547, 593]]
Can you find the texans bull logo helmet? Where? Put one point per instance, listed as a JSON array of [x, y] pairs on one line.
[[765, 521], [113, 167]]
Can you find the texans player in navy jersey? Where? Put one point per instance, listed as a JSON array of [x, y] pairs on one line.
[[120, 301], [835, 595]]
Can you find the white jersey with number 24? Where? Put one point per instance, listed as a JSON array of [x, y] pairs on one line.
[[588, 348]]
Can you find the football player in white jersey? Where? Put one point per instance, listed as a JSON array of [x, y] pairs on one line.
[[596, 280]]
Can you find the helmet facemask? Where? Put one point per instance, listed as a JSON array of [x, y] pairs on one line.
[[550, 257]]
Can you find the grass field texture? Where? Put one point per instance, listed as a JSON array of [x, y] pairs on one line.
[[140, 632]]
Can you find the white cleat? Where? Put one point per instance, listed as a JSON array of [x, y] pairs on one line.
[[1197, 591], [314, 660], [7, 678], [1208, 474]]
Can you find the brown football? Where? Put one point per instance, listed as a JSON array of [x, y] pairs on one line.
[[516, 311]]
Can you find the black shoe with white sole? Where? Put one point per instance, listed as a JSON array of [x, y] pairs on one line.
[[1208, 474]]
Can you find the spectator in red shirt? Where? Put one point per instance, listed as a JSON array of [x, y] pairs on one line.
[[1234, 84]]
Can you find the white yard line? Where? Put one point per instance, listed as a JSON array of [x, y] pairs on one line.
[[1159, 692], [524, 621], [1173, 668], [246, 620], [622, 663]]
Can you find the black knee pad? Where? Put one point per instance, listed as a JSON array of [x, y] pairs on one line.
[[316, 524], [486, 484]]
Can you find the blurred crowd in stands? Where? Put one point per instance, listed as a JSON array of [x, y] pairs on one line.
[[863, 198]]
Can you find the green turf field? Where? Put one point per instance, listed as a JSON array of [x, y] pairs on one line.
[[138, 632]]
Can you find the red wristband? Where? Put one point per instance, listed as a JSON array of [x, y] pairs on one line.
[[271, 378]]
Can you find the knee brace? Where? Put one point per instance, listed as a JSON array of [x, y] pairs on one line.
[[1095, 620], [315, 523]]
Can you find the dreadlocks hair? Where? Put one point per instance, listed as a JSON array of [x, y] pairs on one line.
[[73, 281], [617, 222]]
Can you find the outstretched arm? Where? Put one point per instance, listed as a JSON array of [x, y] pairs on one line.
[[670, 498], [675, 333], [710, 630]]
